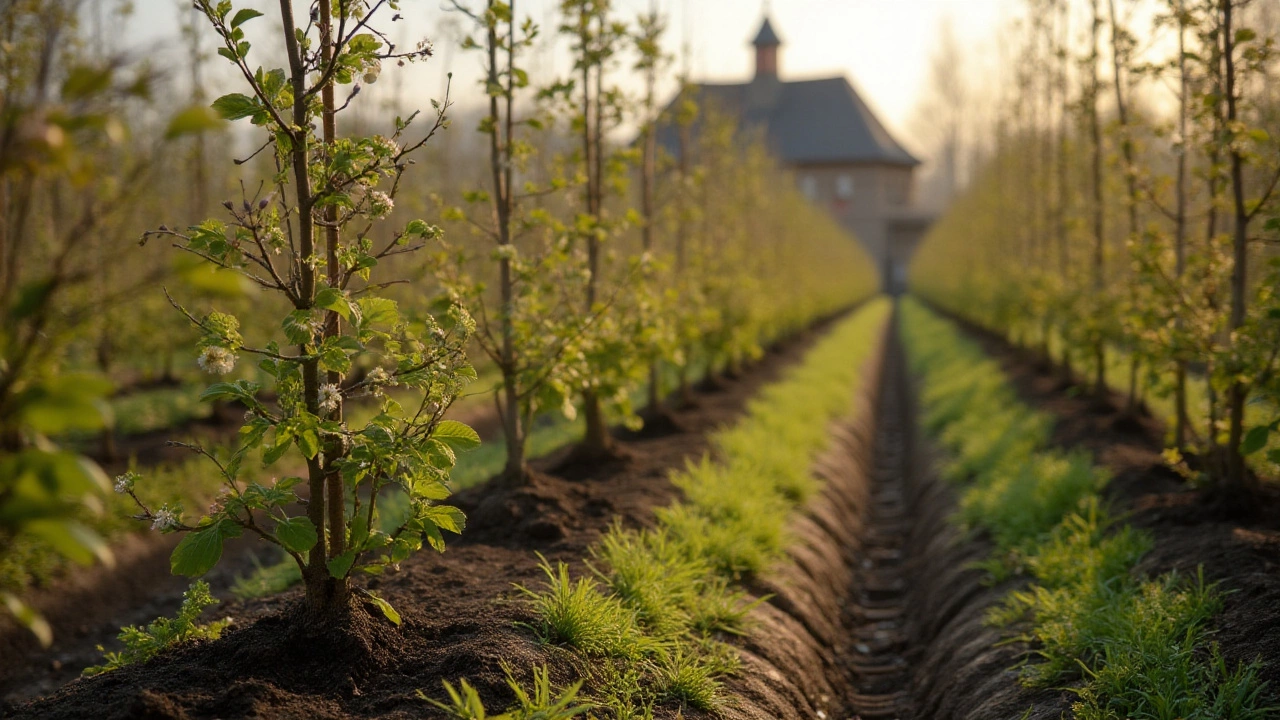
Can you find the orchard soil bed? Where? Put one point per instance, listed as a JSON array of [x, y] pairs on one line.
[[463, 616], [87, 606], [961, 670]]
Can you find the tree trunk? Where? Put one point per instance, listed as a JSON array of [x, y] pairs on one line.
[[596, 441], [320, 586], [1180, 234], [1099, 210], [1238, 477]]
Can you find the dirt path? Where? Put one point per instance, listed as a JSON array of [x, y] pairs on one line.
[[876, 614]]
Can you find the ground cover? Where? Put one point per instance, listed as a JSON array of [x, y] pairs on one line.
[[1089, 569]]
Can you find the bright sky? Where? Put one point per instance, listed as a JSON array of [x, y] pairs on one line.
[[883, 46]]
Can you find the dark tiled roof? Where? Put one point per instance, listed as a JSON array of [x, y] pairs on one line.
[[807, 121], [766, 37]]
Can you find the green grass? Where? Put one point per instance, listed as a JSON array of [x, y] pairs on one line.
[[647, 621], [544, 702], [267, 580], [578, 613], [1129, 647]]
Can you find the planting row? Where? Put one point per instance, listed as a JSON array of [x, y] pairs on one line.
[[546, 284], [652, 623], [1063, 561], [1124, 222]]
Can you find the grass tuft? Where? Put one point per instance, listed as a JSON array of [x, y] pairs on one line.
[[579, 615], [1129, 647]]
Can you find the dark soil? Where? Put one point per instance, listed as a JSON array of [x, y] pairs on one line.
[[86, 607], [462, 614], [962, 672]]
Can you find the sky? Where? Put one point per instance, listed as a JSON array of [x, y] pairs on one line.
[[882, 46]]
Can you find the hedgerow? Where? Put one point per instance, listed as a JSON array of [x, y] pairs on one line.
[[1128, 646]]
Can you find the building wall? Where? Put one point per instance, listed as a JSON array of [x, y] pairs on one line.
[[867, 199]]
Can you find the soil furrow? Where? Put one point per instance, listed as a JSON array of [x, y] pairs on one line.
[[875, 612]]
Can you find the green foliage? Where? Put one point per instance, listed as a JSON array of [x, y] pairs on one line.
[[336, 321], [1131, 249], [1129, 647], [579, 615], [267, 580], [664, 593], [690, 680], [56, 135], [544, 703], [142, 644]]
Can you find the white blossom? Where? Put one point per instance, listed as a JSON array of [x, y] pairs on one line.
[[380, 204], [124, 483], [217, 360], [379, 376], [164, 519], [387, 144], [505, 252], [330, 397]]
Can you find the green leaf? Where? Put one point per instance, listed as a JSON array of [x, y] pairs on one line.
[[1255, 439], [433, 536], [244, 16], [387, 611], [193, 120], [309, 442], [447, 518], [378, 311], [28, 618], [333, 299], [239, 390], [296, 534], [235, 106], [72, 541], [200, 551], [341, 565], [457, 435]]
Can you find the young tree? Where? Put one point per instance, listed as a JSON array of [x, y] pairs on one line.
[[532, 336], [308, 240]]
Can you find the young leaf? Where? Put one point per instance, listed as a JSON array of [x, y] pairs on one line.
[[296, 534], [457, 435], [244, 16], [341, 565], [235, 106], [387, 611], [199, 551]]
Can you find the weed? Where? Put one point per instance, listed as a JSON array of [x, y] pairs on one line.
[[689, 680], [267, 580], [141, 644], [579, 615], [544, 703]]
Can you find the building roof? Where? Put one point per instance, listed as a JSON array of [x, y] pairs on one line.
[[803, 122], [766, 37]]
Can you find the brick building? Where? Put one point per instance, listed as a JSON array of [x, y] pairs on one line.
[[842, 157]]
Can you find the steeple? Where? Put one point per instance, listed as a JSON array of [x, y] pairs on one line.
[[766, 44]]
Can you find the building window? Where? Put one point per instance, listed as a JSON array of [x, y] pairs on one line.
[[809, 186], [844, 187]]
